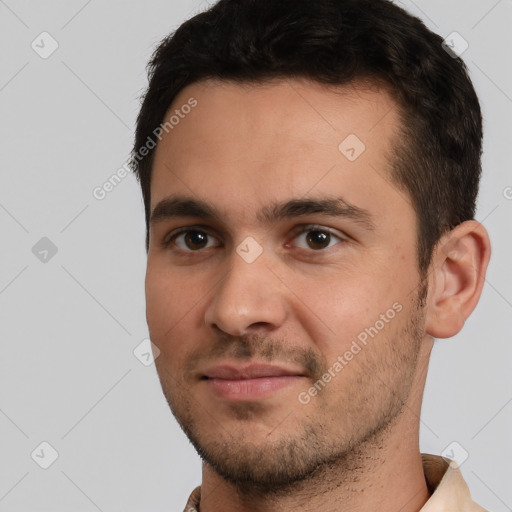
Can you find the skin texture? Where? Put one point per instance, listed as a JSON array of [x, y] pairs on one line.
[[299, 304]]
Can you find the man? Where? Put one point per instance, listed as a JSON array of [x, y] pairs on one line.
[[309, 172]]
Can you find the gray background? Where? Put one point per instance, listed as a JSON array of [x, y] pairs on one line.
[[69, 325]]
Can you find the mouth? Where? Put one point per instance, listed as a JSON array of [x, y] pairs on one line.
[[253, 382]]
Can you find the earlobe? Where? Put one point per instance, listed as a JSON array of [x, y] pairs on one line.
[[456, 278]]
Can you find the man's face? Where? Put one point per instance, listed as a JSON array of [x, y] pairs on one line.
[[304, 259]]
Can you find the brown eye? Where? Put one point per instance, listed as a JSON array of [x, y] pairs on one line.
[[191, 240], [318, 239], [196, 240]]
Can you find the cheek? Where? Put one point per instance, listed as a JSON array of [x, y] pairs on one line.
[[167, 323], [337, 308], [175, 302], [168, 299]]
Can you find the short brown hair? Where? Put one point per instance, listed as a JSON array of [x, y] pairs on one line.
[[336, 42]]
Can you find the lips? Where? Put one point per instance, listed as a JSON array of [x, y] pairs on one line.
[[253, 371], [249, 383]]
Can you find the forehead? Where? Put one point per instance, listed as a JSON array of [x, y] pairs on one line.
[[280, 138]]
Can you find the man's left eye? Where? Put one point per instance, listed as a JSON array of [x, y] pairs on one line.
[[193, 240], [316, 239]]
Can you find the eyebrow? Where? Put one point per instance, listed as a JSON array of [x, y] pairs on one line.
[[181, 206]]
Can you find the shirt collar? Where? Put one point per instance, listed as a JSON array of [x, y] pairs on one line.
[[447, 486]]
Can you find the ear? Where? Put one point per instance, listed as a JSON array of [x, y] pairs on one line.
[[456, 278]]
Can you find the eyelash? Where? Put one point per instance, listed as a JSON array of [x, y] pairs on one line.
[[315, 227], [168, 240]]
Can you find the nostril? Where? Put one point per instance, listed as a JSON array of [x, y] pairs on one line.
[[259, 325]]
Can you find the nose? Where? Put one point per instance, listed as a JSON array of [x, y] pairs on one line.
[[249, 299]]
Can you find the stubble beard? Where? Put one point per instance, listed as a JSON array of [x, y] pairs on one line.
[[289, 460]]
